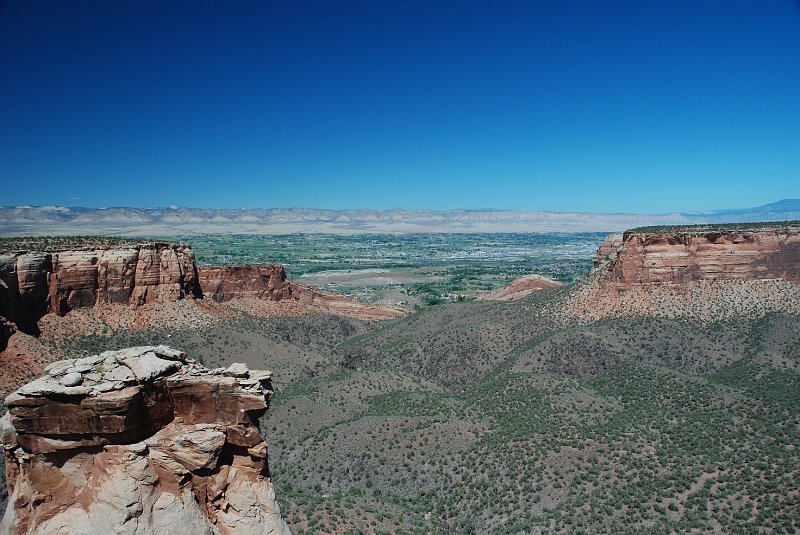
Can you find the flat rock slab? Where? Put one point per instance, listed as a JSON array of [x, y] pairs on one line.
[[48, 386], [149, 366]]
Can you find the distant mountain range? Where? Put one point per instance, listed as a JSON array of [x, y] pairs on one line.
[[172, 221]]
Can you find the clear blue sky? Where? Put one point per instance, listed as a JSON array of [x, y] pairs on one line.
[[638, 106]]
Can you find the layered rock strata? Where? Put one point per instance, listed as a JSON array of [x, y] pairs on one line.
[[708, 274], [139, 441], [691, 255], [269, 282], [521, 287], [262, 281], [35, 283], [608, 249]]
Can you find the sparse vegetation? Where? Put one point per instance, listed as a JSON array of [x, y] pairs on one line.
[[513, 418], [721, 227], [484, 417]]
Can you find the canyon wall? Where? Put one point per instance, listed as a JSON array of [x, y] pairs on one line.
[[269, 282], [33, 284], [139, 441], [693, 255], [704, 273], [263, 281]]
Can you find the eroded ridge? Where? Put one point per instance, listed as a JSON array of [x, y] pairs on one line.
[[143, 440]]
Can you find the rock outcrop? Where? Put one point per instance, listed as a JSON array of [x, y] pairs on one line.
[[139, 441], [693, 254], [261, 281], [269, 282], [705, 273], [521, 287], [608, 249], [35, 283]]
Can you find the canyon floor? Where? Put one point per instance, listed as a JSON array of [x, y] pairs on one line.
[[494, 417]]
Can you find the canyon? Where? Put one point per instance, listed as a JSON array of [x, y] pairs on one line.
[[375, 423], [139, 440], [35, 283]]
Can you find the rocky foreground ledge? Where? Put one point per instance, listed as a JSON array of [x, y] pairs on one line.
[[139, 441]]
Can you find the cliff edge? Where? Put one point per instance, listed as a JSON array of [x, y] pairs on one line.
[[704, 272], [692, 254], [140, 441], [268, 282], [34, 283]]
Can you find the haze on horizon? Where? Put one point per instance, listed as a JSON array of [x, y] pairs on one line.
[[619, 106]]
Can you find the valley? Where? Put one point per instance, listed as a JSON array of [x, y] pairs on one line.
[[407, 270], [571, 410]]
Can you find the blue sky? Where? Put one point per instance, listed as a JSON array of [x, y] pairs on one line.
[[636, 106]]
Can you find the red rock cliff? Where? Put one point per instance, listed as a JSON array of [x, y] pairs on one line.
[[269, 282], [141, 441], [35, 283], [263, 281], [693, 255]]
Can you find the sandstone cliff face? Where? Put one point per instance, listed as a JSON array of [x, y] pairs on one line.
[[269, 282], [35, 283], [521, 287], [681, 258], [705, 274], [608, 249], [265, 281], [139, 441]]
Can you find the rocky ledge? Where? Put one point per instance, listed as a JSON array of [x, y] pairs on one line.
[[269, 282], [259, 281], [33, 283], [141, 441], [685, 255]]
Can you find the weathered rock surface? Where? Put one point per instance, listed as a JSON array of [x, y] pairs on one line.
[[708, 274], [689, 256], [608, 249], [262, 281], [339, 304], [521, 287], [35, 283], [138, 441]]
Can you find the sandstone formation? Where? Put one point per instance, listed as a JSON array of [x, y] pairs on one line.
[[708, 274], [269, 282], [264, 281], [139, 441], [693, 255], [521, 287], [35, 283], [608, 249]]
